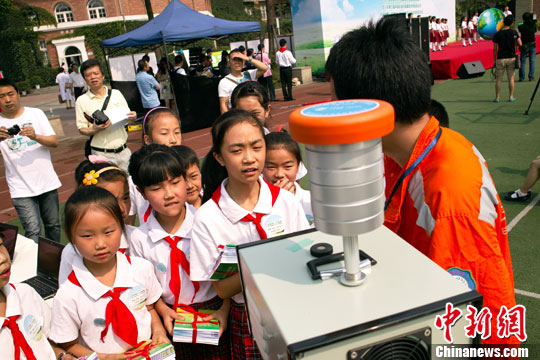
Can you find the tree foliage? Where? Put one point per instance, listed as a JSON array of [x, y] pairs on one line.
[[21, 58]]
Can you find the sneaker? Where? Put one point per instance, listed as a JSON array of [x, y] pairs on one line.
[[496, 100], [513, 196], [512, 99]]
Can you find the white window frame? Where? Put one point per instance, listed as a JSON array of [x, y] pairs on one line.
[[64, 15], [96, 12]]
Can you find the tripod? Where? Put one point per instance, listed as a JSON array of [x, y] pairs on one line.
[[532, 98]]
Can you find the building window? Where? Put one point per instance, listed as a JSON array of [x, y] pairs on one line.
[[63, 13], [96, 9]]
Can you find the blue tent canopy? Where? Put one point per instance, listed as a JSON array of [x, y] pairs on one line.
[[177, 23]]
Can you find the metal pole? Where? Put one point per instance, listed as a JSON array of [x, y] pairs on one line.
[[352, 275], [170, 80], [125, 30]]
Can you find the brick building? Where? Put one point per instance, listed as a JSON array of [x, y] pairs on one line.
[[72, 14]]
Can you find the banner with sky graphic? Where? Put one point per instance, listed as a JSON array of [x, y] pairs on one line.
[[318, 24]]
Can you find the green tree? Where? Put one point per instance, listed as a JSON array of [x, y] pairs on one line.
[[21, 58]]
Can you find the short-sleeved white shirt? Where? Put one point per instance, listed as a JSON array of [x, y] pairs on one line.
[[230, 82], [463, 25], [29, 169], [304, 196], [34, 322], [79, 311], [147, 242], [214, 226], [69, 253], [471, 25], [139, 204]]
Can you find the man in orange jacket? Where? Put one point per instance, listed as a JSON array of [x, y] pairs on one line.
[[440, 195]]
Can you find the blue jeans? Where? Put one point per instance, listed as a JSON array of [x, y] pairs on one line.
[[531, 51], [32, 209]]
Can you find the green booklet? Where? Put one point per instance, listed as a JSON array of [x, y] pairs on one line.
[[157, 352], [226, 263], [199, 332]]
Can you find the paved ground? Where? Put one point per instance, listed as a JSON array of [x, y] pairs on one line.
[[70, 151]]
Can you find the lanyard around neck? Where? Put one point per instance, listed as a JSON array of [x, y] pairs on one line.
[[413, 166]]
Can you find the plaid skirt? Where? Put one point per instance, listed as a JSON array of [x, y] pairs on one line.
[[186, 351], [242, 344]]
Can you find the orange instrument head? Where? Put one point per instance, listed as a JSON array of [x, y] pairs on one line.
[[341, 122]]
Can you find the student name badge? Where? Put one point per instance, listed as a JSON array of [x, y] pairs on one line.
[[33, 326], [137, 297], [274, 226]]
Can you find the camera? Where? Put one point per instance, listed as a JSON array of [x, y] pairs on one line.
[[14, 130], [99, 117]]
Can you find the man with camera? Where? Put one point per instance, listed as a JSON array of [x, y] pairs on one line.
[[25, 136], [105, 139]]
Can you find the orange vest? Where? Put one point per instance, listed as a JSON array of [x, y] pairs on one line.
[[448, 209]]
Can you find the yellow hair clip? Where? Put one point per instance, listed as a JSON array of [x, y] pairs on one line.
[[91, 178]]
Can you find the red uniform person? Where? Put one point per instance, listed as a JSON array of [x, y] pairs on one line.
[[440, 195]]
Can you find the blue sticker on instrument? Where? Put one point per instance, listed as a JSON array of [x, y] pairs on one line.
[[161, 267], [340, 108], [463, 276], [99, 322]]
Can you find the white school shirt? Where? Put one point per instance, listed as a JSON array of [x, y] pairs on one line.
[[285, 59], [29, 169], [214, 226], [475, 20], [34, 322], [304, 197], [79, 311], [463, 25], [138, 203], [471, 25], [147, 242], [70, 252]]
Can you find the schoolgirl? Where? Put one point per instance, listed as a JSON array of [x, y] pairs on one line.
[[107, 304], [465, 31], [281, 167], [472, 31], [445, 31], [25, 319], [164, 240], [160, 126], [253, 98], [238, 207], [475, 24], [97, 171], [439, 33]]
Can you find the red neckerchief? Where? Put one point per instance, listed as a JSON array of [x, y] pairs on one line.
[[117, 314], [282, 49], [177, 259], [147, 213], [196, 320], [274, 190], [19, 342]]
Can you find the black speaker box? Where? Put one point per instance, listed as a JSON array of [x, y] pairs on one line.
[[471, 69]]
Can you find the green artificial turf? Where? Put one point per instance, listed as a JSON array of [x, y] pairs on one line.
[[508, 140]]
